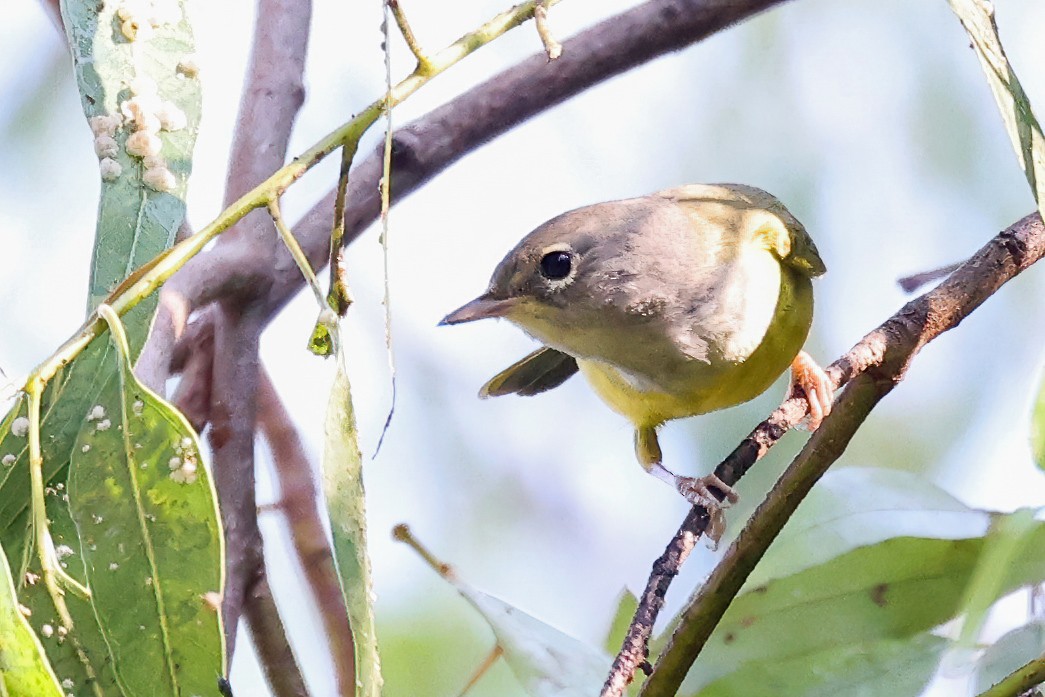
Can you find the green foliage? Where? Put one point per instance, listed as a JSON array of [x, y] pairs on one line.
[[626, 606], [343, 489], [875, 669], [149, 86], [544, 660], [150, 536], [1008, 653], [977, 16], [23, 668], [143, 89], [1003, 547], [865, 595], [1037, 427]]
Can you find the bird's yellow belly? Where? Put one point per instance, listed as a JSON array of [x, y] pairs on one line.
[[706, 387], [642, 406]]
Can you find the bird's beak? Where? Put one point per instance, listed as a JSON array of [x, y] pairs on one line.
[[483, 307]]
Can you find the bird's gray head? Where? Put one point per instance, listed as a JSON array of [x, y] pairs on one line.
[[559, 274]]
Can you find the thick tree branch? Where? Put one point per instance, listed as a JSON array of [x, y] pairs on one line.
[[272, 97], [232, 415], [885, 354], [298, 494]]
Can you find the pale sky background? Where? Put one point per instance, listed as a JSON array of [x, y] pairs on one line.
[[870, 119]]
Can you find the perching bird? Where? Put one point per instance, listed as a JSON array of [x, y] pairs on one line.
[[674, 304]]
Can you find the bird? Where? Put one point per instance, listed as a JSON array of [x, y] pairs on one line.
[[674, 304]]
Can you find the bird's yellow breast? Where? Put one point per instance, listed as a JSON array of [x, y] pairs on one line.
[[718, 384]]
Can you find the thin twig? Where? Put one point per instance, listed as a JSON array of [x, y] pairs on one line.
[[295, 251], [298, 494], [540, 19], [483, 668], [338, 297], [911, 283], [386, 203], [699, 618], [887, 350], [423, 64]]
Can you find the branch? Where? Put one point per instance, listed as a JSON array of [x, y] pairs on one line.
[[885, 352], [1020, 681], [270, 639], [231, 436], [271, 99], [298, 495]]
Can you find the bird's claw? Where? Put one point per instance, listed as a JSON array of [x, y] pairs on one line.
[[698, 491], [818, 389]]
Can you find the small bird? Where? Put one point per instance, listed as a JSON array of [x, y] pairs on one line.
[[674, 304]]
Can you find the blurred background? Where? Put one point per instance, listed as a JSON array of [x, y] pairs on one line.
[[870, 119]]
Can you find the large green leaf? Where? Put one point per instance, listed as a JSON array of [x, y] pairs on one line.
[[150, 536], [79, 657], [133, 64], [136, 221], [877, 556], [346, 506], [977, 16], [880, 669], [1005, 542], [859, 506], [545, 661], [24, 672]]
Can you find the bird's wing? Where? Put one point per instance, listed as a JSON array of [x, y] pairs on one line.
[[783, 234], [538, 372]]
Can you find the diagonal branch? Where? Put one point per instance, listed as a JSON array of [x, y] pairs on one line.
[[270, 639], [298, 495], [884, 355]]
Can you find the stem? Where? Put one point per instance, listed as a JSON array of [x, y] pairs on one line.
[[423, 64], [296, 252]]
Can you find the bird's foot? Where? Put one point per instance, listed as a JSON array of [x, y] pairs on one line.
[[818, 388], [698, 491]]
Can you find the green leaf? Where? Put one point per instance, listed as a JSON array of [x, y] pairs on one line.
[[859, 506], [627, 603], [1037, 426], [880, 669], [1007, 539], [150, 537], [889, 558], [977, 16], [137, 83], [545, 661], [346, 506], [24, 671], [1011, 651], [80, 658]]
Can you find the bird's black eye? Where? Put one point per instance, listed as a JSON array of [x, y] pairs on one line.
[[556, 265]]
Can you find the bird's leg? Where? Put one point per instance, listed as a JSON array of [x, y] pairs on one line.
[[818, 389], [696, 490]]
